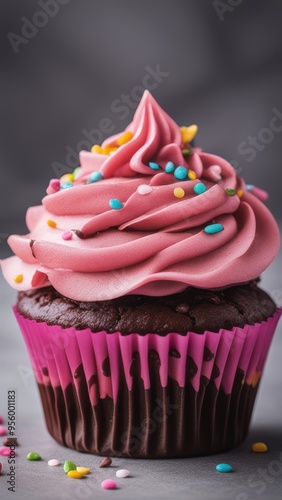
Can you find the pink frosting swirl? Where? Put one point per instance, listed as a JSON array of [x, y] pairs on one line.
[[157, 243]]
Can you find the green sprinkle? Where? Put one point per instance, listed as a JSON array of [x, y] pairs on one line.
[[186, 152], [213, 228], [76, 172], [230, 192], [33, 456], [153, 165], [68, 466]]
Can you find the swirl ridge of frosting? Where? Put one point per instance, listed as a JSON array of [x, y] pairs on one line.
[[144, 228]]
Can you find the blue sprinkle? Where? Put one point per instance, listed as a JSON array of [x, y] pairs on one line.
[[199, 188], [115, 204], [249, 187], [181, 173], [169, 167], [223, 468], [66, 185], [95, 176], [153, 165], [213, 228]]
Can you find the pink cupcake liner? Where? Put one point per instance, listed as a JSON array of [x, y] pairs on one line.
[[148, 395], [61, 351]]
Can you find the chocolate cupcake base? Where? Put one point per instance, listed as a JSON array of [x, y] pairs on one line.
[[159, 422]]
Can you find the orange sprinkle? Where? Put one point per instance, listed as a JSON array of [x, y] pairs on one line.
[[51, 223], [19, 278], [96, 149], [123, 139], [179, 192], [191, 174], [240, 193], [108, 150]]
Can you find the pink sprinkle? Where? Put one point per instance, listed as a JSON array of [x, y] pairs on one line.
[[55, 184], [109, 484], [5, 451], [214, 171], [67, 235], [144, 189], [3, 430]]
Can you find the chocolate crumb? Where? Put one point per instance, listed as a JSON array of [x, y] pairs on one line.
[[105, 462]]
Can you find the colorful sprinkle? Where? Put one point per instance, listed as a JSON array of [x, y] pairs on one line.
[[230, 192], [153, 165], [74, 474], [144, 189], [76, 172], [169, 168], [249, 187], [67, 235], [188, 133], [55, 184], [3, 430], [18, 279], [96, 149], [83, 470], [109, 484], [192, 175], [68, 466], [240, 193], [108, 150], [213, 228], [66, 185], [122, 473], [53, 462], [105, 462], [199, 188], [115, 204], [259, 447], [180, 173], [95, 176], [51, 223], [223, 468], [67, 178], [5, 451], [186, 152], [179, 192], [32, 456], [126, 137]]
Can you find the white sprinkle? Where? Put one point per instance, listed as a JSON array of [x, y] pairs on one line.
[[122, 473], [53, 462], [144, 189]]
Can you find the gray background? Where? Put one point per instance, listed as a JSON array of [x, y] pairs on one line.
[[223, 74]]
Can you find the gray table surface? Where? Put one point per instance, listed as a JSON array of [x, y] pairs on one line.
[[255, 476]]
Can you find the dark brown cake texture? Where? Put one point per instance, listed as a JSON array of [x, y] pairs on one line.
[[194, 310]]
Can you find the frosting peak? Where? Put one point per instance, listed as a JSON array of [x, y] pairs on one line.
[[145, 213]]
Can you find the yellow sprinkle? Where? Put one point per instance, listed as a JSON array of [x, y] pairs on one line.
[[83, 470], [191, 174], [259, 447], [240, 193], [178, 192], [51, 223], [188, 133], [126, 137], [96, 149], [18, 278], [75, 474], [108, 150], [67, 178]]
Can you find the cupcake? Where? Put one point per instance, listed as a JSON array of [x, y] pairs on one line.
[[138, 295]]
